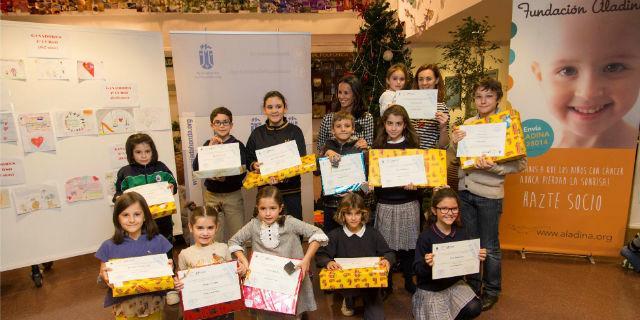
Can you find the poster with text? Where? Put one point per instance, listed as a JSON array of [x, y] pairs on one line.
[[11, 171], [121, 94], [76, 123], [575, 78]]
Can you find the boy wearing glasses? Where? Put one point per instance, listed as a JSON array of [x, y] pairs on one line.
[[225, 190]]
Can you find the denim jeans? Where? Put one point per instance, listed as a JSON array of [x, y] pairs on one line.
[[481, 219]]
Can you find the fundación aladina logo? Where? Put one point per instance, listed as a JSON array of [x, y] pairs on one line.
[[206, 56]]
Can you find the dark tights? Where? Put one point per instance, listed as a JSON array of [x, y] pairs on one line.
[[471, 310]]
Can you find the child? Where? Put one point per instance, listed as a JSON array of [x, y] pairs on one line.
[[225, 190], [589, 73], [136, 234], [203, 224], [433, 133], [481, 192], [343, 142], [355, 240], [398, 208], [275, 131], [396, 80], [272, 232], [446, 298], [350, 99], [143, 168]]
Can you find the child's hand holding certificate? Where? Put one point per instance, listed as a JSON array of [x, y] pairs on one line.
[[457, 258], [279, 157], [219, 160]]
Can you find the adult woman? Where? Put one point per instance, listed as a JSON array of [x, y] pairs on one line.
[[433, 133], [350, 100]]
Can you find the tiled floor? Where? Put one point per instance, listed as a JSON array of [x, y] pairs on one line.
[[540, 287]]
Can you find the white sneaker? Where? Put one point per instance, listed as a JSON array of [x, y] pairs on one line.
[[346, 311], [173, 297]]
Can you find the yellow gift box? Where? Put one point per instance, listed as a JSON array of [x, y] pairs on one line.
[[162, 210], [353, 278], [143, 286], [514, 146], [435, 164], [308, 164]]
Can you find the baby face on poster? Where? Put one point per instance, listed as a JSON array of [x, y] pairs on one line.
[[588, 70]]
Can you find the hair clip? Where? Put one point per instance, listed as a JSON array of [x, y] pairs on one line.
[[438, 188]]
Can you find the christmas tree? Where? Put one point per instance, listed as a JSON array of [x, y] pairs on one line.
[[379, 44]]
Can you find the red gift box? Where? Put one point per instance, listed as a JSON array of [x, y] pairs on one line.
[[269, 300]]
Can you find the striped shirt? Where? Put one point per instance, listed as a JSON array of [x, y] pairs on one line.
[[364, 129], [428, 130]]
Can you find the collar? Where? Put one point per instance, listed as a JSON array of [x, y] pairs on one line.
[[349, 233], [396, 142], [284, 124], [441, 234]]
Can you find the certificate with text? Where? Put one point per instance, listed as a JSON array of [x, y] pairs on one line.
[[483, 139], [457, 258], [420, 104], [402, 170], [210, 285], [279, 157], [154, 193], [267, 272], [348, 175], [219, 160], [137, 268]]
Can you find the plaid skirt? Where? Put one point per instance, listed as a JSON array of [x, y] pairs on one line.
[[399, 224], [441, 305]]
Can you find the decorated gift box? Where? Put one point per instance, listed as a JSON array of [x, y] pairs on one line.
[[435, 163], [514, 147], [162, 210], [143, 286], [353, 278], [253, 179], [213, 311]]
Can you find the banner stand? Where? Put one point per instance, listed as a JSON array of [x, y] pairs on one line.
[[589, 257]]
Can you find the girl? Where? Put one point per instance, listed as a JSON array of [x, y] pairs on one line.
[[143, 168], [396, 79], [203, 224], [278, 130], [272, 232], [447, 298], [136, 234], [398, 209], [433, 133], [481, 192], [350, 100], [353, 214]]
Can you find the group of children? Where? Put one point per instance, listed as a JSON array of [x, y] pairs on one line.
[[277, 227]]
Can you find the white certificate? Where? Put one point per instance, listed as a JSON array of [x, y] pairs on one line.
[[354, 263], [145, 267], [420, 104], [267, 273], [402, 170], [154, 193], [220, 160], [349, 172], [278, 157], [458, 258], [483, 139], [210, 285]]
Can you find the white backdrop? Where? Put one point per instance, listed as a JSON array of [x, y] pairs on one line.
[[237, 70], [79, 227]]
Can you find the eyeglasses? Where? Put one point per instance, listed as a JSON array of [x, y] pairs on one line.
[[448, 210], [221, 123]]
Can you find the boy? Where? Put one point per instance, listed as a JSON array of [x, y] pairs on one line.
[[343, 142], [589, 73], [225, 190]]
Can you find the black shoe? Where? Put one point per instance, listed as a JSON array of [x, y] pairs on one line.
[[37, 279], [488, 301]]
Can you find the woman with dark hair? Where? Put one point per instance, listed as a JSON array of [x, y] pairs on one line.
[[433, 133], [350, 100]]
